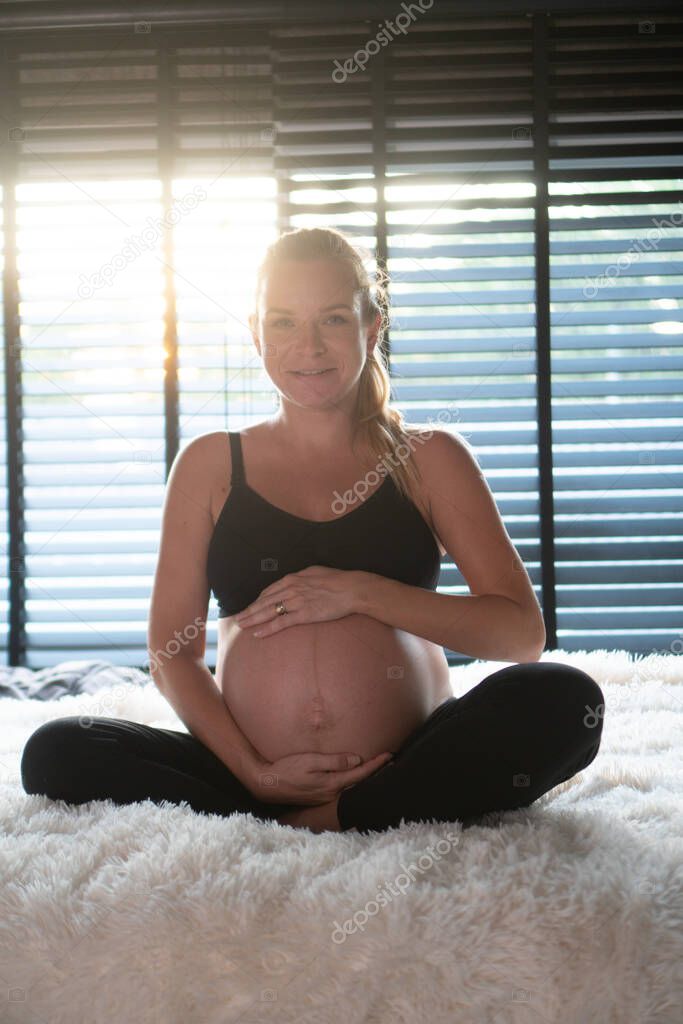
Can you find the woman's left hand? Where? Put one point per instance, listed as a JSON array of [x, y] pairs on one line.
[[316, 594]]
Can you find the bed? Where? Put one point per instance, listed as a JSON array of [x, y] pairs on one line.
[[566, 912]]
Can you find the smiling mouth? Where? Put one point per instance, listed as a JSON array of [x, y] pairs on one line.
[[312, 373]]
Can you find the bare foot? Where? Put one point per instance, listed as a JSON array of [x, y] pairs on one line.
[[317, 818]]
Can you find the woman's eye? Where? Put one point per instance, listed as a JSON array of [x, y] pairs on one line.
[[286, 322]]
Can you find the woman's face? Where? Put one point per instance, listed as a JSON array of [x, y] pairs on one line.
[[310, 319]]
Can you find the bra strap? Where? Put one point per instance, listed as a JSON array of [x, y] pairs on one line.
[[237, 460]]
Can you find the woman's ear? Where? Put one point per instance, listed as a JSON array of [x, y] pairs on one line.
[[373, 333]]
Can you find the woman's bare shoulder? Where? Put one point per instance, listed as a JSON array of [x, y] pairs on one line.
[[203, 449], [208, 467], [212, 462]]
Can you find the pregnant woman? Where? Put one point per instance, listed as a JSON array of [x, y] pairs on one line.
[[321, 531]]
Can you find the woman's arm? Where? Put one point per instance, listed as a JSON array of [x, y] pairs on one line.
[[500, 619], [191, 690], [176, 631], [486, 626]]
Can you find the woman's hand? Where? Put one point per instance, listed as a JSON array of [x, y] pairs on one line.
[[311, 778], [316, 594]]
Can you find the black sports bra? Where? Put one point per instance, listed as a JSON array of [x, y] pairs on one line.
[[255, 543]]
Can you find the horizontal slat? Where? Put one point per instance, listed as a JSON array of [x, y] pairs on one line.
[[633, 573], [644, 596], [604, 638], [635, 549], [406, 392], [611, 344], [102, 611], [561, 365], [661, 621], [582, 174], [50, 648]]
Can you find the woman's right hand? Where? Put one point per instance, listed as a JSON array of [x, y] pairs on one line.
[[311, 778]]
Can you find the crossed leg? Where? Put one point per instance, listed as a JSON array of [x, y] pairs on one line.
[[520, 732]]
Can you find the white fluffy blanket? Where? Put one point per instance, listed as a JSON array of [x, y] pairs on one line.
[[567, 912]]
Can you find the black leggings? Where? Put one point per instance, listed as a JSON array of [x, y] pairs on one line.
[[521, 731]]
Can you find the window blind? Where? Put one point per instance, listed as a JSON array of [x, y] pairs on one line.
[[497, 165], [460, 238], [92, 310], [222, 142], [616, 249]]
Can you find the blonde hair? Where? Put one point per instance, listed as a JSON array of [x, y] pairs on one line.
[[378, 426]]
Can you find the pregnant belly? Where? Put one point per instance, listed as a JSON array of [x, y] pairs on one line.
[[352, 684]]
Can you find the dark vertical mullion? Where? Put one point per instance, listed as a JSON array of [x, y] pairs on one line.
[[379, 170], [283, 199], [283, 179], [543, 334], [165, 144], [16, 641]]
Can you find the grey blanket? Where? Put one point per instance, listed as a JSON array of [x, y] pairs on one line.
[[68, 677]]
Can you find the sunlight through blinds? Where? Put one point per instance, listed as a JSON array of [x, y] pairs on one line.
[[154, 169]]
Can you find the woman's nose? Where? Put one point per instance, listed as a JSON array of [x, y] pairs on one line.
[[308, 337]]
